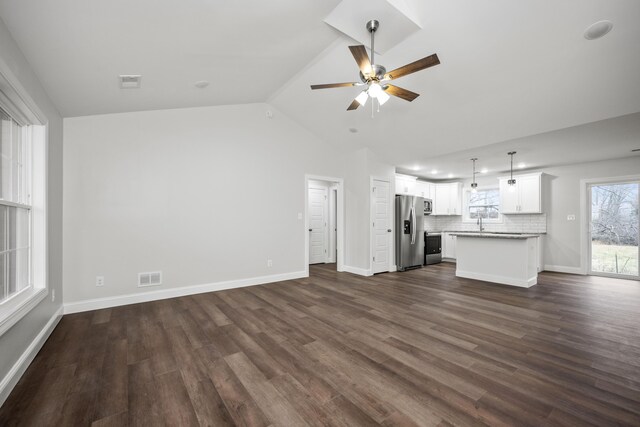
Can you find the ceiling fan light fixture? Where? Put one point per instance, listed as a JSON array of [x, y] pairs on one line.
[[383, 97], [362, 98], [375, 90]]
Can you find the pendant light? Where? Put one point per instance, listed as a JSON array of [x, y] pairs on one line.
[[474, 184], [512, 182]]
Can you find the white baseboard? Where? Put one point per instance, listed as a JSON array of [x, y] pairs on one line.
[[393, 268], [563, 269], [17, 370], [357, 270], [99, 303], [522, 283]]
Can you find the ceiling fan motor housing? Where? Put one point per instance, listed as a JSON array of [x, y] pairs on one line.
[[378, 74]]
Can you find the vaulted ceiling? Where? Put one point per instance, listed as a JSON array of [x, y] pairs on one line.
[[508, 69]]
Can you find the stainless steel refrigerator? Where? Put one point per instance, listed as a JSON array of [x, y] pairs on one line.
[[409, 232]]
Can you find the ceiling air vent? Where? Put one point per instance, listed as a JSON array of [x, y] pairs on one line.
[[153, 278], [129, 81]]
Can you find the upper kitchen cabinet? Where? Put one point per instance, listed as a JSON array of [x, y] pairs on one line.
[[406, 185], [425, 189], [525, 197], [448, 199]]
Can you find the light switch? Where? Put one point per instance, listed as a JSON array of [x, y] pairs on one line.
[[571, 217], [299, 215]]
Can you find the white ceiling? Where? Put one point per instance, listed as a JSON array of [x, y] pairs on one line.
[[246, 49], [510, 69], [602, 140]]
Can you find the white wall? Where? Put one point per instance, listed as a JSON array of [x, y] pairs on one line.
[[360, 166], [561, 197], [203, 194], [17, 339]]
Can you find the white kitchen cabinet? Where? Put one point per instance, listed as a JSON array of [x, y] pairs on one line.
[[432, 190], [525, 197], [448, 199], [448, 246], [423, 189], [406, 185]]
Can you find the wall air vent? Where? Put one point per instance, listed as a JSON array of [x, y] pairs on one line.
[[129, 81], [153, 278]]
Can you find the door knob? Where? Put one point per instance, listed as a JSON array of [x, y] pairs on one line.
[[389, 230], [310, 229]]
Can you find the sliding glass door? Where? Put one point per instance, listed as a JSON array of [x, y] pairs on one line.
[[614, 229]]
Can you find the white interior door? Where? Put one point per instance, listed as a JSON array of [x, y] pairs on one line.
[[317, 225], [381, 217]]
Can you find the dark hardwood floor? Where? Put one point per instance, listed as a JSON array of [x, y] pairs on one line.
[[414, 348]]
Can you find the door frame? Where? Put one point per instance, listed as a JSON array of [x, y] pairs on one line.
[[392, 194], [585, 222], [339, 182]]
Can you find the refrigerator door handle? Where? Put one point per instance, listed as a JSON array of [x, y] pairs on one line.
[[412, 218]]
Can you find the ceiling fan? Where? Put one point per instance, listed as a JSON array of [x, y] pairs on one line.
[[376, 77]]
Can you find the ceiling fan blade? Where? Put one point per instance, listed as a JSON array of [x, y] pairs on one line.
[[418, 65], [360, 54], [355, 104], [407, 95], [331, 85]]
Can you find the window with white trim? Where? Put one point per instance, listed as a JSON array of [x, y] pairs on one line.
[[15, 208], [484, 203], [24, 132]]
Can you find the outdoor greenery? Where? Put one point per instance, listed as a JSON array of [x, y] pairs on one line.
[[614, 259], [484, 204], [614, 228]]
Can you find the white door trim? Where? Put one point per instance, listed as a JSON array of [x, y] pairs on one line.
[[585, 215], [340, 216], [392, 198]]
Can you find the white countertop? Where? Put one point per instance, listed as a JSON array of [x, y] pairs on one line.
[[495, 235]]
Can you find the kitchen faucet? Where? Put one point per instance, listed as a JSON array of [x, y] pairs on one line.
[[480, 224]]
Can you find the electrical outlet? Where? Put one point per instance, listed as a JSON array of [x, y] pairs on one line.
[[53, 295], [99, 280], [269, 263], [571, 217]]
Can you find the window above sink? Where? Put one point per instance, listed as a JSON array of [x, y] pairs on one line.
[[485, 204]]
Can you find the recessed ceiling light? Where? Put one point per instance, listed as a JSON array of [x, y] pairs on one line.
[[522, 165], [415, 168], [450, 175], [484, 170], [353, 130], [434, 171], [597, 30], [201, 84]]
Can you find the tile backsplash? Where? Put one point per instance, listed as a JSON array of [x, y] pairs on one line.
[[510, 223]]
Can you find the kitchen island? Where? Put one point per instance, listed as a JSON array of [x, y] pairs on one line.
[[509, 259]]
